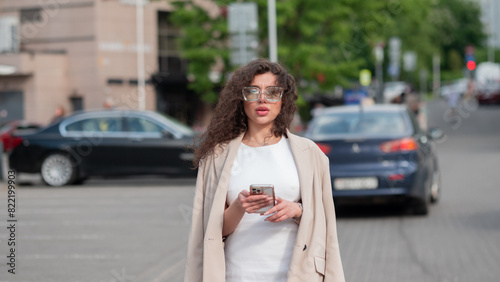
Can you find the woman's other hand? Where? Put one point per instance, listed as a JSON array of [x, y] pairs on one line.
[[252, 203], [283, 210]]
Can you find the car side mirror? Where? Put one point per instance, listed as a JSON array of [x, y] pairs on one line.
[[435, 133]]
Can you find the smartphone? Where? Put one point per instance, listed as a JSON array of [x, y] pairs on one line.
[[263, 189]]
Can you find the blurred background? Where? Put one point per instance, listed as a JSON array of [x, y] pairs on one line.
[[174, 56], [94, 92]]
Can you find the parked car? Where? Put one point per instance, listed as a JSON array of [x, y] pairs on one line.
[[393, 90], [487, 83], [9, 129], [106, 143], [488, 92], [378, 154]]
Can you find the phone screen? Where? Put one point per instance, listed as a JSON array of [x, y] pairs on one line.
[[263, 189]]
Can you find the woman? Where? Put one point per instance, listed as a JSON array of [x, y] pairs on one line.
[[248, 142]]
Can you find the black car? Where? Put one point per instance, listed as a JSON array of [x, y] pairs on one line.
[[12, 128], [378, 154], [106, 143]]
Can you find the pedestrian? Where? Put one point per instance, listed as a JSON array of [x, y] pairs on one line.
[[108, 103], [248, 142], [453, 100], [58, 115], [470, 91]]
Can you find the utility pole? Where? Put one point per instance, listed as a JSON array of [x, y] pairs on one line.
[[379, 59], [273, 35], [436, 74], [141, 83], [491, 39]]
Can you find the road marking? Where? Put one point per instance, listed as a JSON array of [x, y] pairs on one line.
[[61, 237], [176, 255], [72, 256], [171, 270], [170, 222]]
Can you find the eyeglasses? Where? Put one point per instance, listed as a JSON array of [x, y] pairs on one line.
[[272, 93]]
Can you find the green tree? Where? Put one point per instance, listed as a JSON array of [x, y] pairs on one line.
[[326, 43], [202, 44], [412, 26], [457, 24]]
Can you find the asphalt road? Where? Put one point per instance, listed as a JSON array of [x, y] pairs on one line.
[[460, 239], [136, 229]]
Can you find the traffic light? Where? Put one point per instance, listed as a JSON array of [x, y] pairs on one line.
[[470, 58], [471, 65], [471, 62]]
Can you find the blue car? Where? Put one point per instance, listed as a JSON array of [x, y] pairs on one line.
[[378, 154]]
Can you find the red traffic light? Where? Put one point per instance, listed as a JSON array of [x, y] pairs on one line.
[[471, 65]]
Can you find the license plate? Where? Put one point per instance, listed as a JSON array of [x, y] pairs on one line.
[[357, 183]]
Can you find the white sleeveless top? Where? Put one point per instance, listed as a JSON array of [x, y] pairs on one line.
[[259, 250]]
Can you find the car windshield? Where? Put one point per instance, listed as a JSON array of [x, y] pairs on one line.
[[360, 123]]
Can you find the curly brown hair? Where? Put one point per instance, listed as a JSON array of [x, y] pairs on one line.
[[229, 119]]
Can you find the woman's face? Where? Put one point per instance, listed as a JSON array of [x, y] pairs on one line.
[[262, 113]]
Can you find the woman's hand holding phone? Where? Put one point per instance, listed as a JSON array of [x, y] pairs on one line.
[[245, 203], [253, 203]]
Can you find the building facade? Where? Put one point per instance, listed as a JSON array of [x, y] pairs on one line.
[[83, 54]]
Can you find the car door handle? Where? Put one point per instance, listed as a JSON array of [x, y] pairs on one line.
[[136, 139]]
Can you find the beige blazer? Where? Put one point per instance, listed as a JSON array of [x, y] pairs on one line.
[[316, 255]]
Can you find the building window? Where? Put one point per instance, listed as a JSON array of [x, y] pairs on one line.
[[31, 15], [115, 81], [172, 65], [168, 52], [76, 103], [133, 2], [9, 34]]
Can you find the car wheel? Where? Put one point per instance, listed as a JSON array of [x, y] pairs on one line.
[[58, 170], [436, 187], [421, 207]]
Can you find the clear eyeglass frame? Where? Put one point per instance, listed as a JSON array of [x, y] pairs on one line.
[[251, 97]]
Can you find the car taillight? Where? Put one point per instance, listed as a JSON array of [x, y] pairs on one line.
[[396, 177], [325, 148], [11, 143], [400, 145]]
